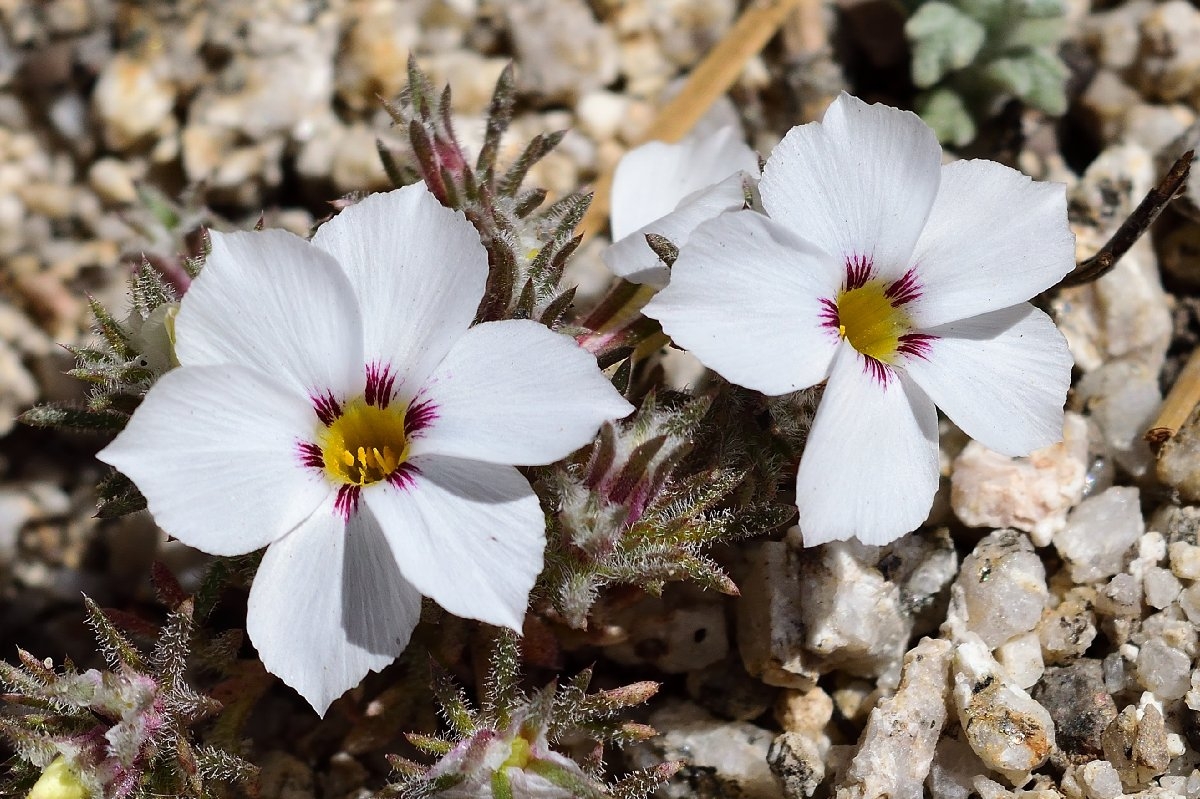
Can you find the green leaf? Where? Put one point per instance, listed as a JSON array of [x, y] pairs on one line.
[[112, 330], [943, 40], [543, 143], [118, 650], [945, 112], [118, 496], [1036, 77], [71, 417]]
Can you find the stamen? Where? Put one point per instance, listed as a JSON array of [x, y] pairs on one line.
[[869, 313], [365, 444]]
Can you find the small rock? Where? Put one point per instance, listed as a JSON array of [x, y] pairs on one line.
[[842, 606], [1122, 396], [1121, 597], [1021, 657], [1189, 602], [601, 113], [1135, 743], [1078, 702], [854, 616], [798, 763], [132, 100], [897, 746], [1112, 34], [1154, 127], [1105, 102], [1169, 627], [805, 712], [1003, 585], [1100, 780], [1099, 534], [356, 165], [472, 76], [723, 758], [1011, 733], [345, 778], [372, 61], [954, 768], [1125, 313], [562, 50], [770, 635], [1068, 629], [1160, 587], [1168, 66], [1031, 494], [1164, 670], [111, 178], [1179, 524]]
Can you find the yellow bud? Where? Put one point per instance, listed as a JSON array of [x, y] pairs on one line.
[[59, 781]]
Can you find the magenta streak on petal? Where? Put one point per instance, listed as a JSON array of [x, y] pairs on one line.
[[420, 414], [829, 314], [859, 269], [346, 501], [879, 371], [404, 476], [380, 382], [916, 345], [904, 290], [327, 407], [311, 455]]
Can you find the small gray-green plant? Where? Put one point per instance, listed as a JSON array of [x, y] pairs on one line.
[[125, 731], [628, 513], [507, 747], [970, 56]]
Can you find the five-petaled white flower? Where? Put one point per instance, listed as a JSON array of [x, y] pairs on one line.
[[335, 403], [670, 189], [903, 283]]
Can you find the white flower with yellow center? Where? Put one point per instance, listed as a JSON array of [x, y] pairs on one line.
[[900, 281], [668, 190], [334, 402]]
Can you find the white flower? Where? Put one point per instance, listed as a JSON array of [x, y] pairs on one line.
[[154, 336], [669, 189], [334, 403], [901, 281]]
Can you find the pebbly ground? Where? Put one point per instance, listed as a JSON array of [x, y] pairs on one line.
[[1037, 637]]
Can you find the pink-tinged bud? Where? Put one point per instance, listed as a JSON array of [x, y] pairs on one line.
[[628, 695]]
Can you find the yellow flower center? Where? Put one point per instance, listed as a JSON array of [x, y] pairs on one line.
[[365, 444], [520, 754], [870, 322]]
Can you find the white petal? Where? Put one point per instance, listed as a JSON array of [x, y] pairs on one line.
[[860, 182], [994, 238], [870, 466], [1001, 377], [632, 258], [468, 534], [651, 181], [745, 298], [271, 301], [418, 269], [329, 605], [215, 450], [515, 392]]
